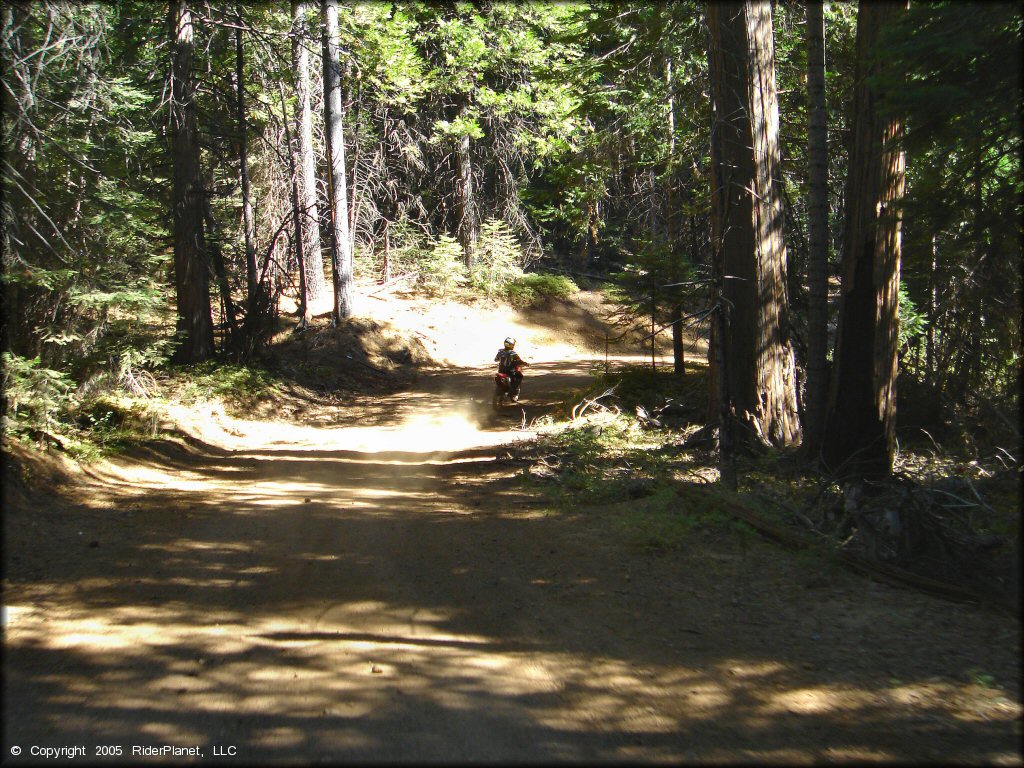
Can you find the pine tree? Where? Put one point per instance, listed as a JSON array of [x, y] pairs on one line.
[[191, 260], [747, 224], [312, 263], [341, 239], [860, 424]]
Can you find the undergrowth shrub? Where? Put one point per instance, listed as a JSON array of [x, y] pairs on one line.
[[109, 423], [665, 521], [85, 421], [604, 457], [34, 396], [534, 288], [237, 385], [407, 242], [443, 268], [497, 269], [639, 385], [498, 259]]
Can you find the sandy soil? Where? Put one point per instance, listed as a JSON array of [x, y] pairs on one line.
[[371, 581]]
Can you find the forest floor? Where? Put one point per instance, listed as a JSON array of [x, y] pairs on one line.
[[367, 576]]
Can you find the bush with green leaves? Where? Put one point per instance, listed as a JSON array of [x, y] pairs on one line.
[[605, 457], [34, 396], [637, 384], [235, 384], [534, 288], [913, 322], [498, 259], [406, 242], [443, 268]]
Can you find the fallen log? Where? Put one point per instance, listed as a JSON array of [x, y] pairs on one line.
[[392, 283]]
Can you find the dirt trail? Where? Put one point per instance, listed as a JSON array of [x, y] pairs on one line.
[[384, 589]]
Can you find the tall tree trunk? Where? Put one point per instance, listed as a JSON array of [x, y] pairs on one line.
[[719, 410], [671, 219], [933, 298], [860, 422], [16, 99], [466, 201], [248, 219], [585, 258], [818, 237], [191, 268], [213, 244], [350, 107], [748, 230], [341, 238], [316, 286], [305, 313]]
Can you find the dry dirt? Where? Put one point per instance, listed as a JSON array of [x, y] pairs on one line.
[[365, 578]]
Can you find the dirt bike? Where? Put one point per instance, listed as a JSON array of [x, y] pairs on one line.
[[503, 388]]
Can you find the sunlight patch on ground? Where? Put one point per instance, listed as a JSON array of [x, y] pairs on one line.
[[468, 336], [911, 698], [335, 665], [430, 429]]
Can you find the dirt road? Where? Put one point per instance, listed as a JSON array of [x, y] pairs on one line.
[[384, 589]]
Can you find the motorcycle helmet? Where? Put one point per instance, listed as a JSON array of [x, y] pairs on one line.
[[510, 343]]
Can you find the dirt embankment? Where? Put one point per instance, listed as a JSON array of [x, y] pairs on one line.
[[371, 579]]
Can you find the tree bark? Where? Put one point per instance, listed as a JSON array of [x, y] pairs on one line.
[[341, 238], [466, 201], [350, 107], [217, 255], [671, 219], [16, 99], [818, 236], [248, 219], [933, 299], [305, 314], [748, 224], [191, 268], [313, 263], [860, 422]]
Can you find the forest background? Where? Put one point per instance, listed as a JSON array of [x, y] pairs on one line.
[[170, 173]]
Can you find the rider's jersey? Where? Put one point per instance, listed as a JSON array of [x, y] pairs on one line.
[[507, 360]]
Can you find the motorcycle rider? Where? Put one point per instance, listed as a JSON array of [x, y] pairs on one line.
[[509, 362]]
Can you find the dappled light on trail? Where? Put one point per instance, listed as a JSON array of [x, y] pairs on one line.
[[377, 579], [341, 681], [433, 427]]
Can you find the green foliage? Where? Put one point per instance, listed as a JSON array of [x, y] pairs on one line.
[[497, 260], [639, 385], [949, 78], [44, 401], [667, 520], [443, 268], [981, 678], [912, 322], [534, 288], [109, 424], [33, 395], [407, 244], [83, 212], [610, 463], [611, 185], [382, 39], [235, 385], [595, 455], [588, 130]]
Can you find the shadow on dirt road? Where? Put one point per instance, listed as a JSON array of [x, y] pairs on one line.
[[388, 589]]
